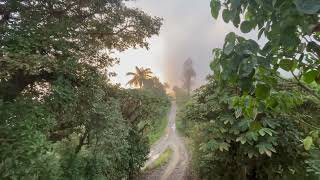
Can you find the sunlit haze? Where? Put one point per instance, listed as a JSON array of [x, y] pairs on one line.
[[188, 31]]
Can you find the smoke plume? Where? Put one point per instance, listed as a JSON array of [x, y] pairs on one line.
[[188, 31]]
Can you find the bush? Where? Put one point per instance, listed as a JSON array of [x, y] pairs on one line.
[[229, 145]]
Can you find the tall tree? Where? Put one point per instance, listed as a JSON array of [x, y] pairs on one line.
[[59, 116], [155, 85], [139, 77], [43, 40], [188, 75]]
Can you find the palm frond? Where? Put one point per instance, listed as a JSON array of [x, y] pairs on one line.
[[131, 74], [139, 76], [138, 70]]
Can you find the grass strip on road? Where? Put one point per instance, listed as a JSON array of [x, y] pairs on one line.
[[161, 160]]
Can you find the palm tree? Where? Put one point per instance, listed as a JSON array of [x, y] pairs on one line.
[[188, 74], [139, 77]]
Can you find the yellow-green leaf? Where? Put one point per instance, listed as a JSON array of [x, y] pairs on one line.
[[307, 143]]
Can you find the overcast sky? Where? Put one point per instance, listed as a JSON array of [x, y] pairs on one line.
[[188, 31]]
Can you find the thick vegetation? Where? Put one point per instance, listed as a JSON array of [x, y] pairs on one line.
[[250, 122], [60, 118], [157, 129], [227, 144]]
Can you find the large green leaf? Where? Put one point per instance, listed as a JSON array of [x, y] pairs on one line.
[[236, 20], [310, 76], [287, 64], [246, 68], [230, 43], [262, 91], [265, 131], [231, 37], [228, 49], [246, 26], [226, 15], [215, 8], [224, 146], [308, 6], [265, 148]]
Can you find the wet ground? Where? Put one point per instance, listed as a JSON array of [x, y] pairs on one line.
[[176, 168]]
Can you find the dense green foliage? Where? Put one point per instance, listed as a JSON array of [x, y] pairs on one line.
[[158, 128], [230, 145], [181, 96], [60, 118], [249, 122], [291, 28]]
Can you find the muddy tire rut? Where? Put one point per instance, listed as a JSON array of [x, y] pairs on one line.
[[176, 168]]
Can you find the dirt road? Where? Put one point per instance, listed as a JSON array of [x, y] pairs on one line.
[[177, 166]]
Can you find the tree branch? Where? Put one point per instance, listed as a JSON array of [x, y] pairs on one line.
[[81, 141], [305, 87], [298, 82], [12, 88]]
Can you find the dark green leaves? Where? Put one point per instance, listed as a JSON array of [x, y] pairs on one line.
[[246, 26], [255, 126], [266, 107], [215, 8], [61, 104], [287, 64], [246, 69], [261, 32], [213, 65], [274, 2], [232, 37], [262, 91], [226, 15], [265, 148], [229, 43], [224, 146], [308, 6]]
